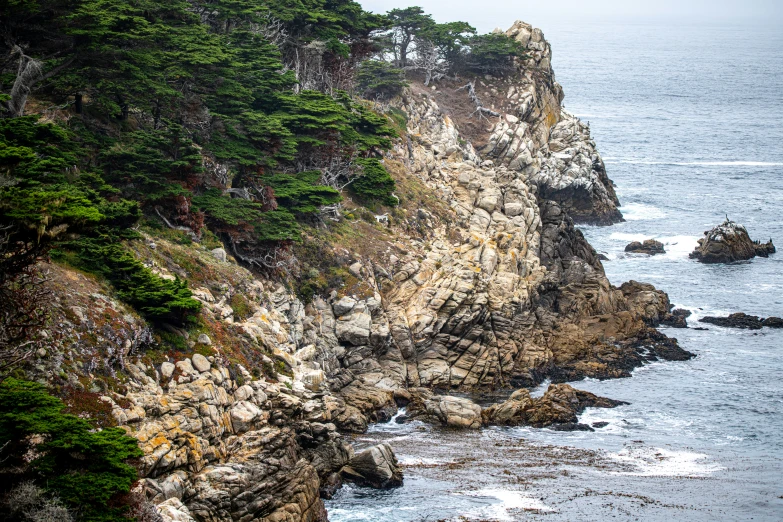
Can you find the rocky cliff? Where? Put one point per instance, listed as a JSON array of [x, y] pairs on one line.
[[479, 280]]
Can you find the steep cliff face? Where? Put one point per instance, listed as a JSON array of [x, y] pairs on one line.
[[551, 147], [487, 285]]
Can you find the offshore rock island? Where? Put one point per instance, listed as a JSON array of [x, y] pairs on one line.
[[475, 280]]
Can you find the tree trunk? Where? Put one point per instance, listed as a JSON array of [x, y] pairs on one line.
[[27, 75]]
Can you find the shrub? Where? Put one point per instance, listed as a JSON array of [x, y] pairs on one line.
[[84, 467], [380, 80], [29, 503], [375, 184], [158, 299]]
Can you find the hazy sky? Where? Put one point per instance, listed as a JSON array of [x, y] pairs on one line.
[[488, 14]]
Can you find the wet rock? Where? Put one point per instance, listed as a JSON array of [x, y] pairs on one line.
[[729, 242], [558, 407], [737, 320], [600, 424], [744, 321], [376, 467], [650, 247], [773, 322], [677, 318], [571, 426]]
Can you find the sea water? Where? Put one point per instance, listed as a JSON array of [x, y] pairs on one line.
[[689, 120]]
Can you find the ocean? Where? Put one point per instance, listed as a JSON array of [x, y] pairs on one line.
[[689, 120]]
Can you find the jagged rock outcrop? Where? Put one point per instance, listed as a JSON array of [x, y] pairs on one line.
[[729, 242], [744, 321], [677, 318], [558, 408], [650, 247], [254, 451], [376, 467], [550, 146]]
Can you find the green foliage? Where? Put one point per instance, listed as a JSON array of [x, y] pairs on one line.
[[160, 300], [380, 80], [163, 89], [300, 193], [154, 165], [84, 467], [493, 53], [406, 25], [375, 184], [450, 39], [236, 216]]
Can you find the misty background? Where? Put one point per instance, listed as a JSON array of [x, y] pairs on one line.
[[486, 15]]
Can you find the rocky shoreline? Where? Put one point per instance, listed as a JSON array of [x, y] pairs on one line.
[[490, 287]]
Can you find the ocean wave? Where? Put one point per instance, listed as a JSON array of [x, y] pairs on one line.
[[641, 212], [609, 160]]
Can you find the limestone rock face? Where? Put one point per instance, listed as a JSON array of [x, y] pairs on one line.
[[559, 406], [729, 242], [375, 467], [650, 247]]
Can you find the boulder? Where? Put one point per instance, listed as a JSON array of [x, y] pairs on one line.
[[773, 322], [167, 370], [455, 412], [219, 254], [557, 408], [375, 467], [729, 242], [650, 247], [200, 363]]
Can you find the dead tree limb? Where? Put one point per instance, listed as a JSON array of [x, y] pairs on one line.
[[480, 109]]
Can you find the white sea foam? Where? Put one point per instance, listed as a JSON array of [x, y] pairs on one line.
[[660, 462], [641, 212], [610, 161], [508, 500], [421, 461]]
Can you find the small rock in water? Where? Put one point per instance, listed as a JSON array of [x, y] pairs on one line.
[[773, 322], [650, 247], [738, 320], [744, 321], [600, 424]]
